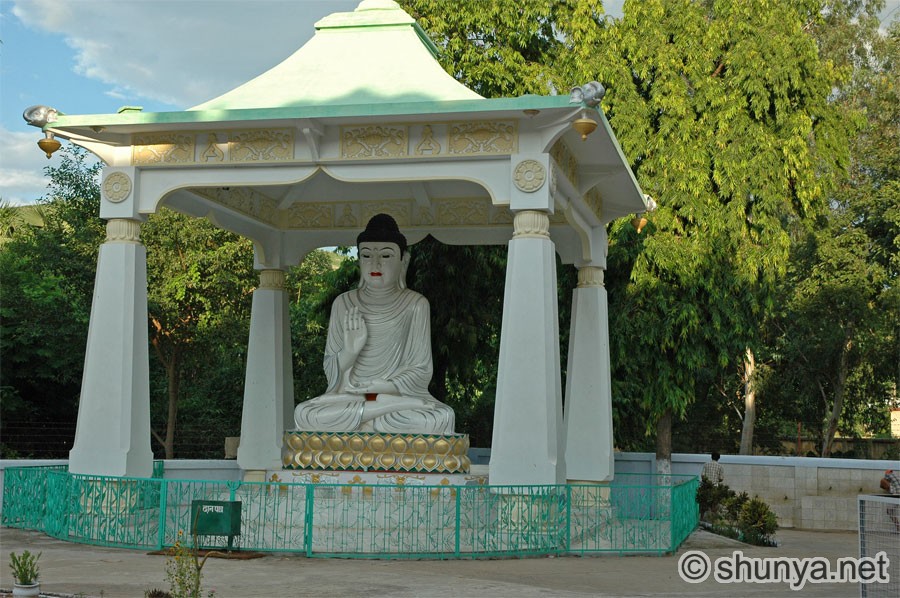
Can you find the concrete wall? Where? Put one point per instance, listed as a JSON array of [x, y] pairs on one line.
[[804, 492]]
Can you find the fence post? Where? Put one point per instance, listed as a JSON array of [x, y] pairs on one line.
[[163, 500], [568, 546], [673, 514], [458, 516], [308, 519]]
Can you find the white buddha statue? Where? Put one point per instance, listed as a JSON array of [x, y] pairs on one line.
[[378, 352]]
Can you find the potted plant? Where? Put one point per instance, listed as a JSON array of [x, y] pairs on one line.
[[25, 572]]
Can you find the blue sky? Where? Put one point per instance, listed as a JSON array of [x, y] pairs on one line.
[[94, 56]]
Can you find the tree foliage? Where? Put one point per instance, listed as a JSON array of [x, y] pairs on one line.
[[46, 279], [723, 109], [837, 354], [199, 285]]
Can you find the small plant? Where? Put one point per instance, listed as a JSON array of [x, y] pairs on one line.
[[25, 568], [184, 570]]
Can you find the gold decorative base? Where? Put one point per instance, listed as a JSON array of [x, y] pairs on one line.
[[372, 451]]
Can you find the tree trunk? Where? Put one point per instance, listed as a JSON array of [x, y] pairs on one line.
[[173, 379], [749, 403], [664, 443], [838, 405]]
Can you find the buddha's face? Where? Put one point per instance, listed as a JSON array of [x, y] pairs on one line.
[[380, 264]]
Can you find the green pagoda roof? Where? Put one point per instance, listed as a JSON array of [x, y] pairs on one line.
[[376, 54]]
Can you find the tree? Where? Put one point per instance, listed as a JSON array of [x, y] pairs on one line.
[[838, 351], [47, 267], [199, 285], [723, 109]]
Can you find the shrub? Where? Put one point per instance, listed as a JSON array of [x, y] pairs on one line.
[[733, 515], [757, 522]]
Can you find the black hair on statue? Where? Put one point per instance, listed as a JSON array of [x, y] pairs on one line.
[[382, 227]]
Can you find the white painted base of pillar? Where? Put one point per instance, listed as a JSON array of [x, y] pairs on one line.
[[269, 382], [588, 408], [112, 437], [527, 446]]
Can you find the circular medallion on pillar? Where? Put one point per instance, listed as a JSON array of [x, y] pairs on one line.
[[529, 175], [116, 187]]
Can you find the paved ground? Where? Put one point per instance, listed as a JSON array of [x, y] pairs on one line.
[[77, 570]]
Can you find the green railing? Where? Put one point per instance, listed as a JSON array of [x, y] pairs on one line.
[[634, 513]]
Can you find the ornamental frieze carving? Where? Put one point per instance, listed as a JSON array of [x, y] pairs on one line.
[[483, 137], [267, 209], [246, 201], [310, 216], [565, 161], [429, 146], [462, 212], [400, 210], [594, 202], [348, 218], [261, 145], [501, 215], [162, 148], [212, 153], [466, 211], [386, 141]]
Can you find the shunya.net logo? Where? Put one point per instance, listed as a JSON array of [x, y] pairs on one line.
[[695, 566]]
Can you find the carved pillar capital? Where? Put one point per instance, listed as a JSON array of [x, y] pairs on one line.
[[271, 279], [531, 223], [590, 276], [121, 230]]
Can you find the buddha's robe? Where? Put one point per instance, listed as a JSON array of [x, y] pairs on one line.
[[397, 349]]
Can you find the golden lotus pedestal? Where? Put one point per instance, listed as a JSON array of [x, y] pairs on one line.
[[376, 452]]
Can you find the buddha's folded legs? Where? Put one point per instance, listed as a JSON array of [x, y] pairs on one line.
[[433, 418], [388, 413], [329, 413]]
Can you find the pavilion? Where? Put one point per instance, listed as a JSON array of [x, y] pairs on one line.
[[361, 120]]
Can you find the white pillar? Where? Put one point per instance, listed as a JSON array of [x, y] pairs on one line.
[[588, 414], [527, 445], [269, 382], [113, 432]]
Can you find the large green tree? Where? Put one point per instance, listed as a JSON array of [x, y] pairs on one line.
[[46, 279], [723, 108], [837, 364], [199, 285]]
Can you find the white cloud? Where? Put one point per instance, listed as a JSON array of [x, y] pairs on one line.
[[180, 53], [21, 170]]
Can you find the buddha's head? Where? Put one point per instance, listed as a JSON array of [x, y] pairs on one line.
[[383, 258]]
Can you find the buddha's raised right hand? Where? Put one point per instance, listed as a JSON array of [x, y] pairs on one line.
[[355, 331]]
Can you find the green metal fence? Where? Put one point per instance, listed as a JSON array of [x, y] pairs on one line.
[[635, 513]]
